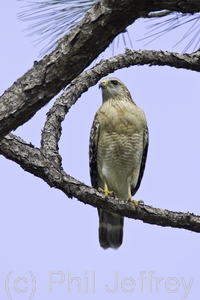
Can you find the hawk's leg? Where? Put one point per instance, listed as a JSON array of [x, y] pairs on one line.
[[105, 190], [130, 197]]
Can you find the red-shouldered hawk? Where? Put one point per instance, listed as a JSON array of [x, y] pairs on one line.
[[118, 151]]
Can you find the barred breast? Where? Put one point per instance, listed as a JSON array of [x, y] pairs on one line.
[[120, 145]]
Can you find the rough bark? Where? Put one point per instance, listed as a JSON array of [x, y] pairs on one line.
[[45, 163], [73, 54], [47, 77], [33, 160], [52, 129]]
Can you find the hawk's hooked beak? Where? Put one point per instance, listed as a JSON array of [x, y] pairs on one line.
[[102, 84]]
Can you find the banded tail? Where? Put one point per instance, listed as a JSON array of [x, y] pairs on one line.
[[110, 229]]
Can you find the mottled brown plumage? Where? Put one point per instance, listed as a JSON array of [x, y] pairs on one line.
[[118, 150]]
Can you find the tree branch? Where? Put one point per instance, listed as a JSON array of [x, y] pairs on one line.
[[33, 160], [73, 54], [42, 163], [52, 129]]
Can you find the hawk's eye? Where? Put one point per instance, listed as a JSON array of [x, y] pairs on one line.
[[115, 82]]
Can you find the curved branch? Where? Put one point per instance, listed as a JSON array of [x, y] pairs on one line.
[[73, 54], [52, 129], [33, 160]]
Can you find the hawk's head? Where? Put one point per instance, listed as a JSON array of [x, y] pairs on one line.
[[113, 88]]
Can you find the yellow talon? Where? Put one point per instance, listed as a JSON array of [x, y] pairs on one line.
[[105, 190], [132, 200], [136, 202]]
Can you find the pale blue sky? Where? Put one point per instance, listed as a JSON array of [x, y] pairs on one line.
[[46, 236]]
